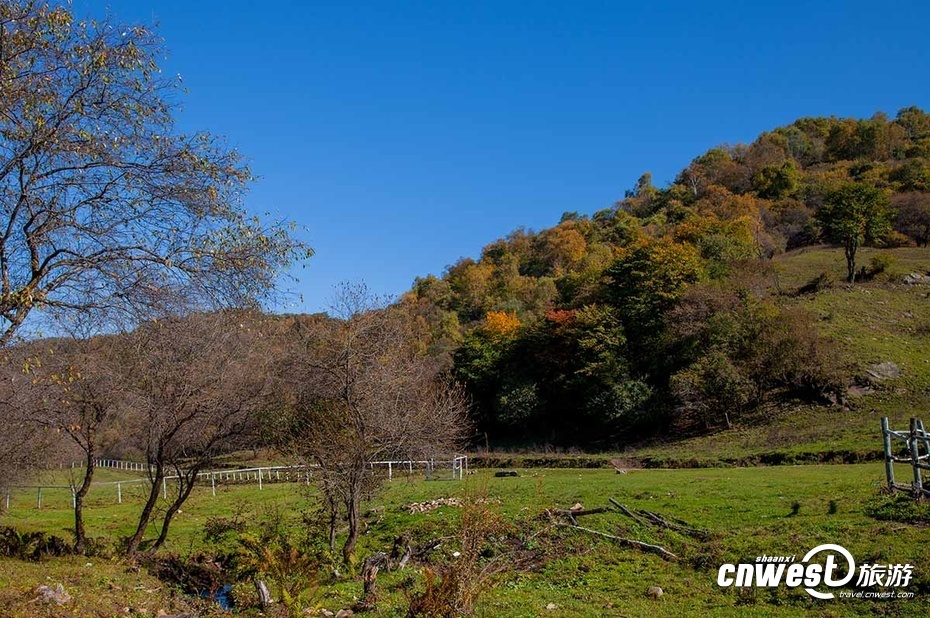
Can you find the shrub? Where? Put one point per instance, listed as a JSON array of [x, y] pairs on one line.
[[881, 262], [894, 239], [453, 588]]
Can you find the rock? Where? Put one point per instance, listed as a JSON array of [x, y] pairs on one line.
[[53, 594], [655, 592], [884, 371], [576, 507], [431, 505], [552, 607], [858, 391], [502, 473], [916, 279], [620, 470], [345, 613]]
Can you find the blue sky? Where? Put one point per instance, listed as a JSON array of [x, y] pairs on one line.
[[405, 135]]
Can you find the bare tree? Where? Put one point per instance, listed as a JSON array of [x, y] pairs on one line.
[[363, 391], [104, 206], [76, 391], [26, 443], [196, 389]]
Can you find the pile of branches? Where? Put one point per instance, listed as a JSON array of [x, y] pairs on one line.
[[647, 519]]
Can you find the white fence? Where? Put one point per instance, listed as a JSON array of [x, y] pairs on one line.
[[458, 467]]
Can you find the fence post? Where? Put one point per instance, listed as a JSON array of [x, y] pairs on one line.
[[390, 471], [164, 488], [39, 499], [8, 499], [259, 479], [915, 453], [119, 493], [889, 462], [73, 498], [213, 483], [924, 438]]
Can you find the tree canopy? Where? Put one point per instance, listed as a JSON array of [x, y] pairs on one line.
[[104, 205]]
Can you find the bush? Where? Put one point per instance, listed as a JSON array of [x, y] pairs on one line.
[[31, 545], [881, 262], [895, 239]]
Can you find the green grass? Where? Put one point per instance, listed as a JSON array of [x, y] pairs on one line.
[[748, 510]]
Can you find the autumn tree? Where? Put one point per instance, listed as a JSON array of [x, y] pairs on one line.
[[854, 214], [649, 276], [362, 392], [104, 205]]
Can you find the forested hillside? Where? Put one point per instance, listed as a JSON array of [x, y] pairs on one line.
[[667, 310]]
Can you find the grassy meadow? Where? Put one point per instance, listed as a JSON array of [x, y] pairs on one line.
[[748, 511]]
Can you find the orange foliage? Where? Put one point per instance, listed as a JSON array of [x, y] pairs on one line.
[[561, 316], [501, 322]]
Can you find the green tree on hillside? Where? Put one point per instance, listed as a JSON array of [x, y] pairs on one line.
[[852, 215]]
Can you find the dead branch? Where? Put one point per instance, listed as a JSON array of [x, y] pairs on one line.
[[653, 549], [628, 512], [580, 512], [659, 521]]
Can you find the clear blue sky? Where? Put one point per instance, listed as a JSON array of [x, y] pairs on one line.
[[405, 135]]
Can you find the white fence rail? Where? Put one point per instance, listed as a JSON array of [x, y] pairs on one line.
[[458, 466]]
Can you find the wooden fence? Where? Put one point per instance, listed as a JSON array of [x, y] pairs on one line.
[[917, 455]]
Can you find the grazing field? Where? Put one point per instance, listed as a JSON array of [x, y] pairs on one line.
[[784, 510]]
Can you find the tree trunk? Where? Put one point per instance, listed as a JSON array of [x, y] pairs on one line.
[[352, 508], [80, 534], [133, 546], [851, 262], [187, 485], [333, 521]]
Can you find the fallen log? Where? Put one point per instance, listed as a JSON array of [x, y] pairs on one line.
[[659, 521], [580, 512], [647, 547], [628, 512]]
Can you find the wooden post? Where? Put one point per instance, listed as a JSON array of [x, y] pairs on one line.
[[8, 499], [213, 483], [164, 488], [915, 453], [923, 438], [73, 498], [390, 471], [259, 479], [889, 462], [39, 499], [119, 493]]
